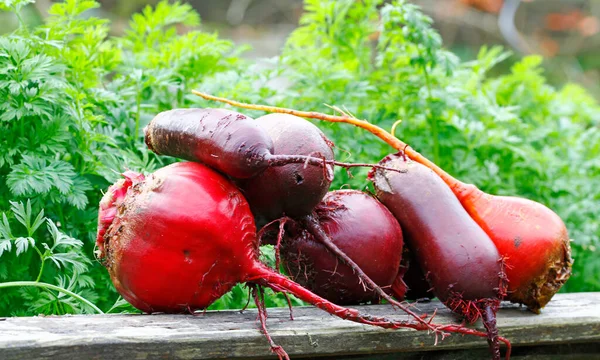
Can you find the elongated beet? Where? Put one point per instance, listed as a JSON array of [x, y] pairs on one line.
[[222, 139], [461, 262], [294, 189], [532, 238], [178, 239], [456, 253], [363, 229]]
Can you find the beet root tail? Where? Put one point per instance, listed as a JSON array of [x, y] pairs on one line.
[[259, 300], [282, 160], [266, 277], [277, 245], [485, 309], [262, 275], [488, 317]]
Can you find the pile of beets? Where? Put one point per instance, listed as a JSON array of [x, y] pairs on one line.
[[178, 239]]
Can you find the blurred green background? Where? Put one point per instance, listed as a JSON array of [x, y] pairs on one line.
[[565, 32]]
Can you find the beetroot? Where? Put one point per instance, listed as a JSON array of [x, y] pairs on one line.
[[364, 230], [532, 238], [294, 189], [411, 283], [222, 139], [180, 238], [158, 238], [462, 264], [280, 169]]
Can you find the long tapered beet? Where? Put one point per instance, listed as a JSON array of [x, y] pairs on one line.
[[363, 229], [178, 239], [461, 262], [222, 139], [456, 253], [294, 189], [547, 252]]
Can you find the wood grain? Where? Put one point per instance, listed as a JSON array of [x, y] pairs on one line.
[[569, 325]]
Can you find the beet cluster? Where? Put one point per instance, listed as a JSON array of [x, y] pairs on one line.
[[178, 239]]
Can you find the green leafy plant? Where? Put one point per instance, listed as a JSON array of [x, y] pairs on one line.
[[74, 101], [55, 247]]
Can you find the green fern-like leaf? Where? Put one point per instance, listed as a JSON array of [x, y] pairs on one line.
[[37, 176]]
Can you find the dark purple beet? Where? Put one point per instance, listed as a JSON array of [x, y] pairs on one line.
[[364, 230], [292, 190], [447, 242], [411, 283], [225, 140], [462, 263]]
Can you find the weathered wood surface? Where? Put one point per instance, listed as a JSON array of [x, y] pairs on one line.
[[568, 328]]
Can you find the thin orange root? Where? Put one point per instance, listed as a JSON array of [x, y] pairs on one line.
[[376, 130]]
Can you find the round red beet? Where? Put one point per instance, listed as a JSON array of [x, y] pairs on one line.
[[364, 230], [165, 248]]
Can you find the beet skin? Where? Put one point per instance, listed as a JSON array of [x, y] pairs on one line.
[[294, 189], [364, 230], [459, 259]]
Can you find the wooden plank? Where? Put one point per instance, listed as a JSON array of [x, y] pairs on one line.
[[587, 351], [568, 320]]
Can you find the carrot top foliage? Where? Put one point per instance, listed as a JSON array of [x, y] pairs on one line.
[[73, 102], [510, 134]]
